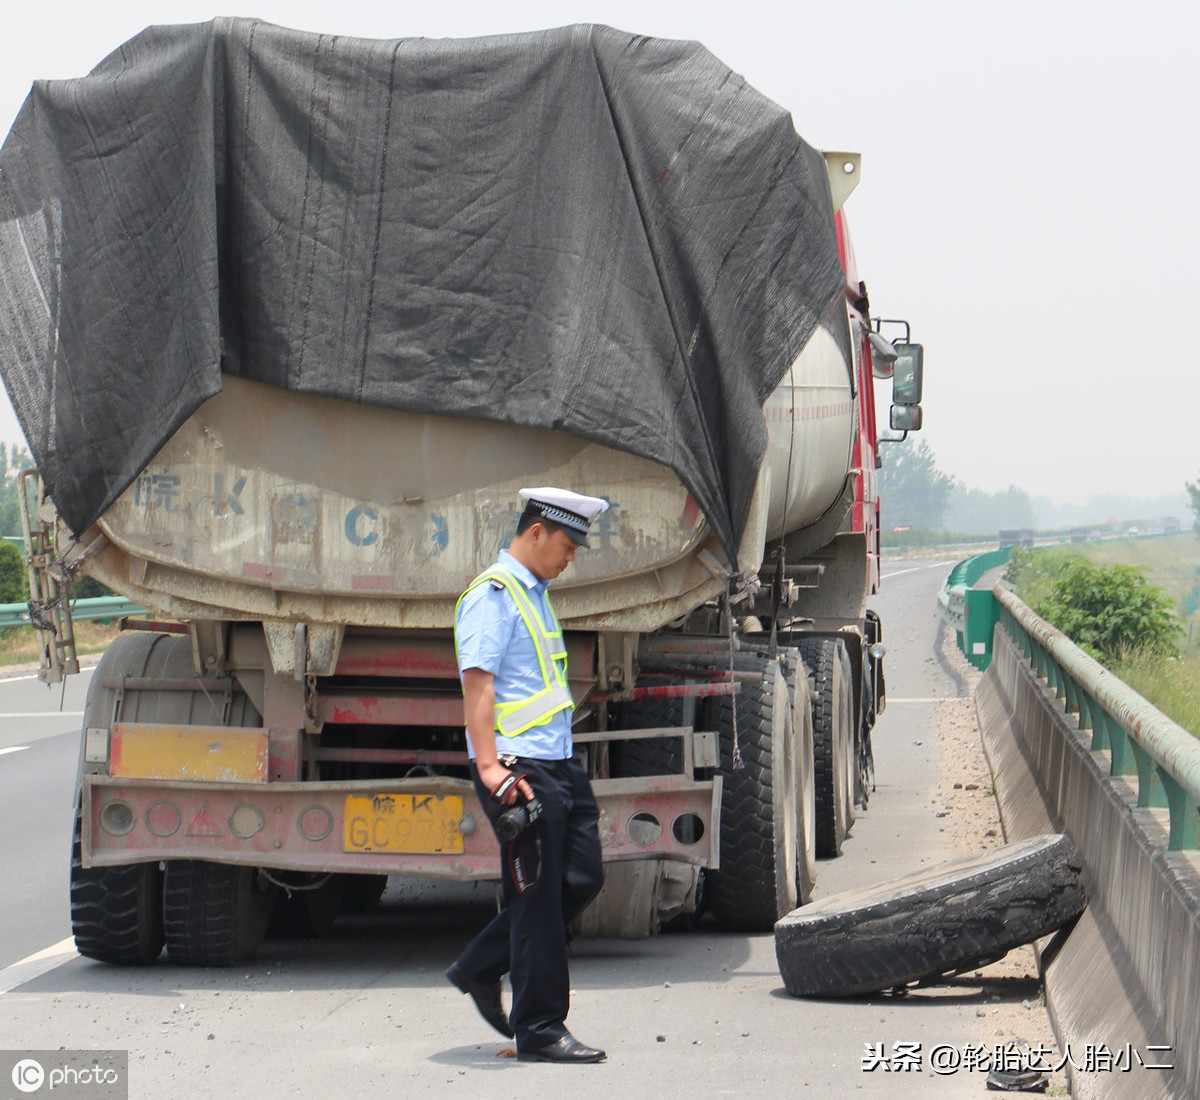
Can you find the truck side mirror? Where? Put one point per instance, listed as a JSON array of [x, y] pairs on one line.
[[906, 418], [907, 374]]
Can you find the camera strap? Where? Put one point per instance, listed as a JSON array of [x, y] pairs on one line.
[[525, 860], [505, 785]]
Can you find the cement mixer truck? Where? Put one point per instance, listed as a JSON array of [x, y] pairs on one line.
[[289, 320]]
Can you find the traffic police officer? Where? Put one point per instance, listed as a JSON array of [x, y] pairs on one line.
[[513, 664]]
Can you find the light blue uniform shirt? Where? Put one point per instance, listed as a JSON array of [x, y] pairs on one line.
[[491, 635]]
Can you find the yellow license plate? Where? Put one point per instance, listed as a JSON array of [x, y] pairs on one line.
[[417, 824]]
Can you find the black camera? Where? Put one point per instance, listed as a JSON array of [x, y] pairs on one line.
[[516, 819]]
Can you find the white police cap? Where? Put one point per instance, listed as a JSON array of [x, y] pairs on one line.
[[574, 512]]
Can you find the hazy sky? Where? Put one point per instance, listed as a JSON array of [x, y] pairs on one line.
[[1028, 197]]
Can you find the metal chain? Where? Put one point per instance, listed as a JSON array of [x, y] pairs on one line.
[[63, 573], [290, 888]]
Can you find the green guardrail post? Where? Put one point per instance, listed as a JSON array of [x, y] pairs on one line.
[[1150, 787], [1185, 818], [1075, 698], [1086, 703], [980, 615], [1122, 755]]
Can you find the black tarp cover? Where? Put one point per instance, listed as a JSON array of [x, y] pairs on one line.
[[578, 229]]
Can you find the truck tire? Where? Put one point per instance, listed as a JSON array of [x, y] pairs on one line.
[[756, 884], [656, 756], [796, 676], [937, 922], [116, 912], [834, 765], [310, 912], [147, 656], [214, 914]]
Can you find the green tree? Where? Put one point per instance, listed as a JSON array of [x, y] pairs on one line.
[[1194, 493], [14, 584], [1033, 572], [913, 491], [13, 459], [1109, 611]]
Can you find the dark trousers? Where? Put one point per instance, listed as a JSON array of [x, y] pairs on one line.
[[527, 938]]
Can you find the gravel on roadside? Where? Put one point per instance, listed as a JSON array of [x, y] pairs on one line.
[[966, 805]]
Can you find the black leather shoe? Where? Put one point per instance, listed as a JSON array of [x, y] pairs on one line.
[[566, 1049], [486, 998]]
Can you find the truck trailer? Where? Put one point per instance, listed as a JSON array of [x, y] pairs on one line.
[[288, 322]]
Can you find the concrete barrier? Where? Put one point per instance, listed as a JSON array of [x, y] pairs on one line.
[[1126, 979]]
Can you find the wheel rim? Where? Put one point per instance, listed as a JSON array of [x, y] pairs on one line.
[[806, 869], [786, 811]]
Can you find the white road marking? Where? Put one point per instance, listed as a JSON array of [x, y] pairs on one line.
[[14, 748], [918, 568], [43, 714], [84, 670], [37, 964]]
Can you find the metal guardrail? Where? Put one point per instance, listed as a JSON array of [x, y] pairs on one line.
[[99, 607], [972, 613], [968, 572], [1141, 740]]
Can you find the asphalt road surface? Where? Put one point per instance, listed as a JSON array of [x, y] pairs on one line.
[[39, 752], [366, 1010]]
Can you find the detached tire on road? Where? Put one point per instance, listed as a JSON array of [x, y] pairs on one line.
[[937, 922]]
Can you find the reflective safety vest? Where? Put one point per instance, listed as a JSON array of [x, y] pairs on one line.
[[515, 716]]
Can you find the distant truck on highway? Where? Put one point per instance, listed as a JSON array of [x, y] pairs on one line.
[[284, 391], [1016, 536]]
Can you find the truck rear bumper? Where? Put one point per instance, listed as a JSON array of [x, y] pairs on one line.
[[430, 827]]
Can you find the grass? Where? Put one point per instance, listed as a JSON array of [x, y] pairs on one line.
[[1172, 562], [19, 644], [1171, 684]]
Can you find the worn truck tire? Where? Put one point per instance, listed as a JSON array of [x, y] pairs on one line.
[[834, 766], [756, 883], [214, 914], [936, 922], [116, 912]]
